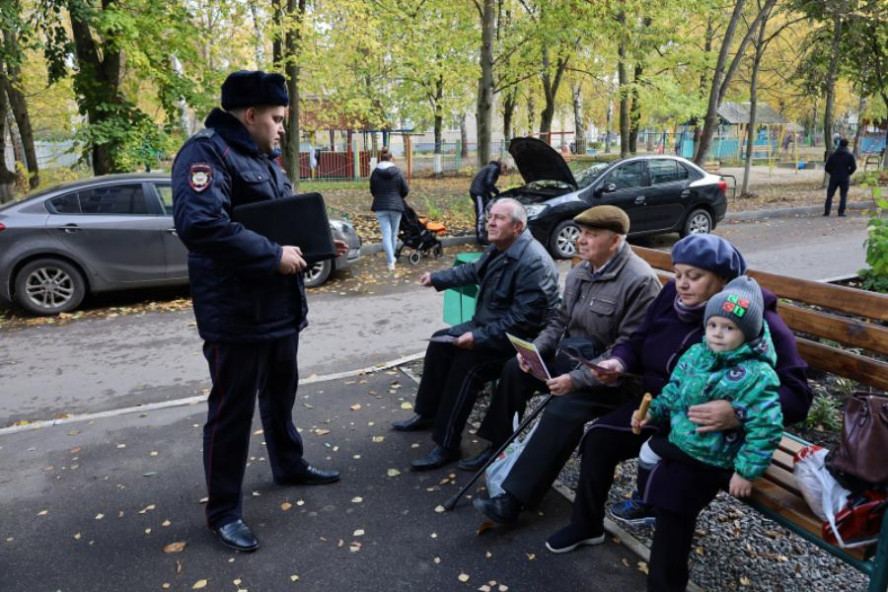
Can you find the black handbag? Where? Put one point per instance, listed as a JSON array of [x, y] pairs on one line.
[[859, 463], [587, 348]]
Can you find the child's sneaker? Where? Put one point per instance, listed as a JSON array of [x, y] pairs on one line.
[[634, 512]]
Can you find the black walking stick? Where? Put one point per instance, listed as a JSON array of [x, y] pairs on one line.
[[451, 503]]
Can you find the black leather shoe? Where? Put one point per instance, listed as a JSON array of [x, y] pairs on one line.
[[312, 476], [414, 424], [503, 508], [238, 536], [437, 458], [476, 462]]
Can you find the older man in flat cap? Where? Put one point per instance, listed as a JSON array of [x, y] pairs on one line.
[[249, 299], [605, 299]]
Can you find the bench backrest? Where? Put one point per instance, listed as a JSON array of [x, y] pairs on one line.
[[823, 316]]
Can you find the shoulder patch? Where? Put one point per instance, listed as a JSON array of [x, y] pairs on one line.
[[200, 176]]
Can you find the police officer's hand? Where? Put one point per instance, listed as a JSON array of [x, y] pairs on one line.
[[291, 260], [341, 247]]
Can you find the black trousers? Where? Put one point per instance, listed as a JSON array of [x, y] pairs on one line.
[[514, 389], [556, 437], [480, 226], [240, 372], [842, 186], [452, 377]]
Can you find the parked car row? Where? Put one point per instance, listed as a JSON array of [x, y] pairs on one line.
[[101, 234]]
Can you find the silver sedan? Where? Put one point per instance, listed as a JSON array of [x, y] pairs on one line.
[[101, 234]]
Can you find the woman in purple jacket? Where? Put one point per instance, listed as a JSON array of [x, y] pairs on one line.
[[703, 264]]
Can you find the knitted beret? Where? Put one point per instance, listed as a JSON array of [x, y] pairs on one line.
[[741, 301], [606, 217], [253, 89], [711, 253]]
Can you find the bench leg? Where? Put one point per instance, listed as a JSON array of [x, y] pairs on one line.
[[879, 577]]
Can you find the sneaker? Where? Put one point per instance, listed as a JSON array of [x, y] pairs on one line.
[[569, 538], [634, 512], [391, 266]]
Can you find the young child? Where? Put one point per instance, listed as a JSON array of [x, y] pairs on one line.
[[734, 362]]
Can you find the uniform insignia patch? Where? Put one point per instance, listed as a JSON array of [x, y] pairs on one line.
[[201, 176]]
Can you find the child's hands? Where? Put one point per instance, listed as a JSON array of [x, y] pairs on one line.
[[739, 487], [638, 423]]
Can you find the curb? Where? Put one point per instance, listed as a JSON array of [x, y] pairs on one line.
[[371, 248]]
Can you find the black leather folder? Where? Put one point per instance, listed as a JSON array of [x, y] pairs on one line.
[[300, 220]]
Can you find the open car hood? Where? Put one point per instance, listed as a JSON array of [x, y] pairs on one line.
[[537, 161]]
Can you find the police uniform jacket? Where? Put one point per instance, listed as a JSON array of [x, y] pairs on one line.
[[484, 182], [238, 294]]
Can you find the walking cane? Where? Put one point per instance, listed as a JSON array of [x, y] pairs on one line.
[[451, 503]]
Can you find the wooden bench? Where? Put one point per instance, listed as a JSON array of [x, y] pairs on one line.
[[822, 316]]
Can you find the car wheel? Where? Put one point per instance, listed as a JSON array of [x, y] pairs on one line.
[[697, 221], [563, 242], [49, 287], [318, 273]]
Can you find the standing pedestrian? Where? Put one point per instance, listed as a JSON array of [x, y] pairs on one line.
[[840, 165], [482, 190], [249, 299], [389, 189]]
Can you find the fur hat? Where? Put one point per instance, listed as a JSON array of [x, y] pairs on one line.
[[253, 89], [711, 253], [741, 301], [606, 217]]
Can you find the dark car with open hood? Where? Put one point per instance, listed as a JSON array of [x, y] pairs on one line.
[[660, 194]]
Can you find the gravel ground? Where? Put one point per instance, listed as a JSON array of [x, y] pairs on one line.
[[736, 548]]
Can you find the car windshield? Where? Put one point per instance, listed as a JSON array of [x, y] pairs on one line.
[[588, 176]]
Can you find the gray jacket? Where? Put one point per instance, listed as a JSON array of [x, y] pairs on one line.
[[519, 292], [609, 308]]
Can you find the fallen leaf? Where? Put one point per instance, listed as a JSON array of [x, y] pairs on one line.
[[355, 407], [294, 578], [406, 405], [357, 499], [174, 547], [503, 588], [165, 523], [321, 432], [484, 588], [286, 506], [463, 577], [488, 554], [484, 527], [359, 532], [531, 556], [378, 439], [393, 472], [354, 547], [744, 581], [643, 567], [437, 560], [199, 585], [434, 535], [153, 453], [77, 536], [43, 512], [440, 509], [99, 516]]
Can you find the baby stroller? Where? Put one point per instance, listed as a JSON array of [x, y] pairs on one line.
[[420, 235]]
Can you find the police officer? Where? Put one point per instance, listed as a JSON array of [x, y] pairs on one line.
[[482, 190], [249, 299]]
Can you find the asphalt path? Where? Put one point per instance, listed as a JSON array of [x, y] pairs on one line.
[[126, 361]]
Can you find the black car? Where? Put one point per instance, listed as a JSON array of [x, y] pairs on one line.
[[659, 193]]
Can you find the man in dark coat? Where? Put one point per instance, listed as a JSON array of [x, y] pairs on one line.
[[840, 166], [248, 295], [518, 291], [482, 190]]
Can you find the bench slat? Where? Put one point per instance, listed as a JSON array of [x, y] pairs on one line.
[[850, 332], [844, 363]]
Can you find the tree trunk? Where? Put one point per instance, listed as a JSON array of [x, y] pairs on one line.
[[293, 16], [484, 114], [710, 122], [439, 113], [463, 137], [829, 110], [12, 82], [579, 125], [635, 111], [531, 112], [624, 102], [861, 107], [753, 102], [7, 177], [510, 102], [608, 124]]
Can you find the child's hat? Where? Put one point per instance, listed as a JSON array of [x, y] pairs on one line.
[[740, 301]]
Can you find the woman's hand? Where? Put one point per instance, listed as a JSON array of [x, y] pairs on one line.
[[714, 416], [614, 365], [560, 385], [739, 487], [524, 367]]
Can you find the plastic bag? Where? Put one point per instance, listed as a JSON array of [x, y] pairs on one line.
[[499, 469], [819, 488]]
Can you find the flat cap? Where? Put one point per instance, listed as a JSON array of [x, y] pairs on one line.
[[255, 88], [605, 217]]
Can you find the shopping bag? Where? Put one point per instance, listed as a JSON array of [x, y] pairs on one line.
[[499, 469]]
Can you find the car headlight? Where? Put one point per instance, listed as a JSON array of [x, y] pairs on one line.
[[535, 210]]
